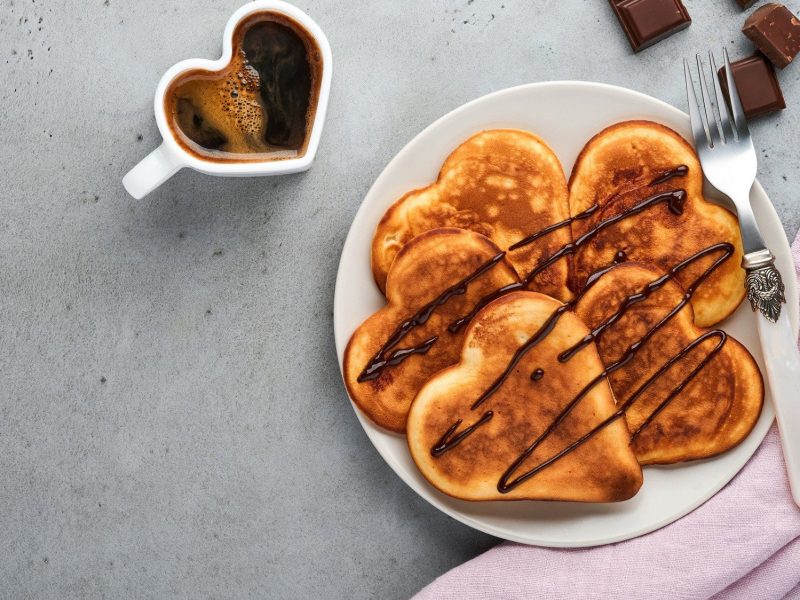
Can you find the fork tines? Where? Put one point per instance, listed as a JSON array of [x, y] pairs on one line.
[[717, 121]]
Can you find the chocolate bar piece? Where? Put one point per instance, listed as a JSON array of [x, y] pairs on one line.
[[757, 85], [746, 3], [646, 22], [775, 31]]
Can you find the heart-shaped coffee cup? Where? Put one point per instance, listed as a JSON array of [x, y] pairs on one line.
[[171, 156]]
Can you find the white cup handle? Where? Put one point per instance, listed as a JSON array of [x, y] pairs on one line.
[[153, 170]]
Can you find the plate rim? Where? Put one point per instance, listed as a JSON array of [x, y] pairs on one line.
[[371, 429]]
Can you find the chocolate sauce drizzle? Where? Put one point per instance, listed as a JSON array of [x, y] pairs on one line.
[[551, 228], [723, 337], [449, 441], [377, 365], [679, 171], [540, 334], [506, 484], [651, 287], [675, 200], [379, 362], [459, 323]]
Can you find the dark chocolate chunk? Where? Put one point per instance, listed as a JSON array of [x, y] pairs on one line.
[[746, 3], [646, 22], [757, 85], [775, 31]]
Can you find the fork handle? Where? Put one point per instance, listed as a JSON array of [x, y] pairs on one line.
[[765, 291], [751, 235], [782, 361], [764, 285]]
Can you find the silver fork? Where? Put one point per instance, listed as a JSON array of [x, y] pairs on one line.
[[723, 143]]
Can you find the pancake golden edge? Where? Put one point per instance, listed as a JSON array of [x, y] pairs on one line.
[[603, 469], [719, 406], [502, 183], [424, 269], [614, 170]]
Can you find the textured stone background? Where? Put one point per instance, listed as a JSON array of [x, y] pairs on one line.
[[172, 422]]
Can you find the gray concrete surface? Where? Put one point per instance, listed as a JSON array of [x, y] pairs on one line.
[[172, 422]]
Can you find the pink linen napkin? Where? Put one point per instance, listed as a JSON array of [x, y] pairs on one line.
[[744, 543]]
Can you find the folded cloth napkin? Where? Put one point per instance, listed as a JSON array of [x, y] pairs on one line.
[[744, 543]]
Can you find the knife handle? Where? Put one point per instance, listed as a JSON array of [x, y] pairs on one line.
[[782, 361]]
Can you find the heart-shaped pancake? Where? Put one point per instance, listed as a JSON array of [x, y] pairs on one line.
[[719, 387], [434, 280], [616, 172], [476, 445], [502, 183]]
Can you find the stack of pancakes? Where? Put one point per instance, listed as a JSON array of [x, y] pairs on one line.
[[542, 339]]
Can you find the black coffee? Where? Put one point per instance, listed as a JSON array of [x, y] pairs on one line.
[[261, 106]]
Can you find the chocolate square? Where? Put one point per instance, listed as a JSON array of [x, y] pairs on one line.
[[746, 3], [646, 22], [775, 31], [757, 85]]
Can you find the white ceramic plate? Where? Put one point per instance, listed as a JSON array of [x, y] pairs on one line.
[[565, 115]]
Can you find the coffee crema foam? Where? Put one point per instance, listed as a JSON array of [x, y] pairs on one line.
[[261, 105]]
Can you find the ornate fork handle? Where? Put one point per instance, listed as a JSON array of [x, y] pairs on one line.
[[764, 285], [730, 167]]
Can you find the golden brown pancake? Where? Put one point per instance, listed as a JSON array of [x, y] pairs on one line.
[[424, 270], [502, 183], [715, 410], [615, 171], [603, 469]]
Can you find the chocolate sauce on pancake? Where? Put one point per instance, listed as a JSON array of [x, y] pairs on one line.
[[379, 362], [448, 441], [506, 484], [550, 228], [650, 288], [679, 171], [674, 199], [261, 105], [452, 437], [456, 325]]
